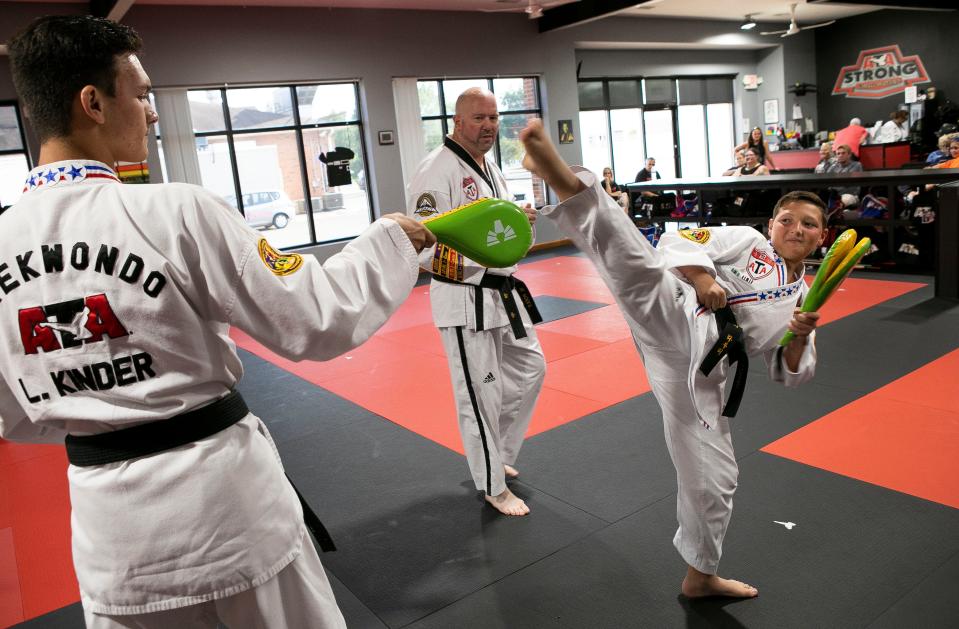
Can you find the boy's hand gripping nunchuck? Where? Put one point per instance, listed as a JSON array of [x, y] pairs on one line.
[[842, 256], [493, 232]]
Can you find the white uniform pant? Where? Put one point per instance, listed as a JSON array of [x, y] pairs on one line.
[[298, 597], [706, 468], [496, 380], [651, 299]]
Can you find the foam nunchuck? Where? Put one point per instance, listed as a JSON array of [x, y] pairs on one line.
[[493, 232], [836, 266]]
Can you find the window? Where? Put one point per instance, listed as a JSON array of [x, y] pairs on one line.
[[686, 123], [14, 163], [518, 101], [263, 149]]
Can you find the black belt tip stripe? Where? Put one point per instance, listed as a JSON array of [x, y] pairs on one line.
[[730, 343]]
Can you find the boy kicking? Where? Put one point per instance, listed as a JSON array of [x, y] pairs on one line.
[[699, 286]]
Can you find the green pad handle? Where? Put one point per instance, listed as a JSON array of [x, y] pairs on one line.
[[492, 232], [838, 272]]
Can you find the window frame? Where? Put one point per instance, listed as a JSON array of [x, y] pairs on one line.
[[646, 106], [24, 146], [298, 127], [445, 116]]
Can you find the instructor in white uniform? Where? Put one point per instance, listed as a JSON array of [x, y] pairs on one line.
[[115, 306], [485, 316]]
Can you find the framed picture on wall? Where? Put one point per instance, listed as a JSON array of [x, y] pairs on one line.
[[771, 111]]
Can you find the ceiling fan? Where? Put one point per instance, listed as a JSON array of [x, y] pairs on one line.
[[793, 27], [534, 9]]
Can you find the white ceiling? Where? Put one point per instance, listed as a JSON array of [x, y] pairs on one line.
[[734, 10]]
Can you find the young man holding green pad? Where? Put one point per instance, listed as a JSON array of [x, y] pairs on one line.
[[667, 296]]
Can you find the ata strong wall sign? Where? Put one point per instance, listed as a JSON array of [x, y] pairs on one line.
[[880, 72]]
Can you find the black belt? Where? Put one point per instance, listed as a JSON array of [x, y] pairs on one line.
[[730, 343], [505, 284], [159, 436]]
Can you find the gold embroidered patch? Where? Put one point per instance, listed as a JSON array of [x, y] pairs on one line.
[[278, 263], [426, 205], [699, 236]]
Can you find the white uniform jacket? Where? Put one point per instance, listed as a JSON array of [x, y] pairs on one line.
[[115, 306], [448, 178], [741, 259], [758, 292]]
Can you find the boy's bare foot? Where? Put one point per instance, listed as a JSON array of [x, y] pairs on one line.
[[508, 503], [543, 159], [699, 584], [511, 472]]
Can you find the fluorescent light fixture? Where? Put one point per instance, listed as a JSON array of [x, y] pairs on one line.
[[748, 23]]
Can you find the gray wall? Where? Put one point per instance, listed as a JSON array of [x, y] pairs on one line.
[[931, 35]]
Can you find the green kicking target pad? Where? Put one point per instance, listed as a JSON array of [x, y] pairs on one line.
[[493, 232]]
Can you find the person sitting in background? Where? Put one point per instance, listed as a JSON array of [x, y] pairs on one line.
[[752, 165], [740, 162], [852, 136], [942, 153], [612, 188], [825, 155], [895, 129], [841, 164], [758, 142], [648, 173], [953, 161]]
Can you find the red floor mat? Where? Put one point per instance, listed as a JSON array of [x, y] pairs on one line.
[[11, 609], [39, 503], [904, 436]]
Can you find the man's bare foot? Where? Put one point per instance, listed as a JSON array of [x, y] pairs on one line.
[[511, 472], [508, 504], [699, 584]]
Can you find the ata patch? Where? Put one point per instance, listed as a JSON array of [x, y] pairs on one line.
[[278, 263], [426, 205], [760, 264], [470, 189], [699, 236]]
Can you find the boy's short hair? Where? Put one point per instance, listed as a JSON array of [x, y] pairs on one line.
[[802, 196], [56, 56]]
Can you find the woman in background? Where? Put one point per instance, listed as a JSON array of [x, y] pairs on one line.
[[758, 142]]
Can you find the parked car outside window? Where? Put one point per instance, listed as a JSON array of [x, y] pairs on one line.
[[265, 208]]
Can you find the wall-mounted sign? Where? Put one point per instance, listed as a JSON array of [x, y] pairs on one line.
[[880, 72]]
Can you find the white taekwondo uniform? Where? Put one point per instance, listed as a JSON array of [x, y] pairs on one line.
[[115, 306], [673, 333], [496, 377]]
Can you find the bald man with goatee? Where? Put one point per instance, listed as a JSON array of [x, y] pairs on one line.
[[485, 316]]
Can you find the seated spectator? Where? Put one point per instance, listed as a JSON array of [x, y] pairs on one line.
[[740, 161], [852, 136], [825, 155], [612, 188], [953, 161], [752, 165], [942, 153], [648, 174], [758, 142], [843, 163], [895, 129]]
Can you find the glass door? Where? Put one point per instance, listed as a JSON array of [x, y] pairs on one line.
[[660, 140]]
